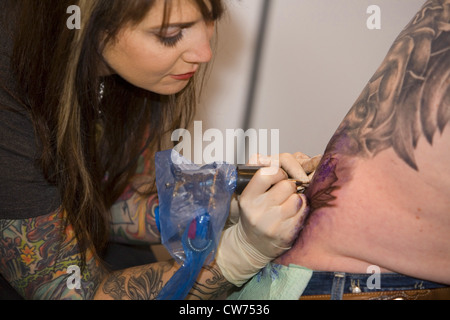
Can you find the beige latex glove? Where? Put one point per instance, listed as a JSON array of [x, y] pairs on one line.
[[290, 163], [304, 173], [271, 215]]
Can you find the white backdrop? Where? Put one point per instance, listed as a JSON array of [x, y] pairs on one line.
[[317, 58]]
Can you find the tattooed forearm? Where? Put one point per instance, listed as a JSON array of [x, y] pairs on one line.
[[35, 255], [145, 283], [140, 283], [213, 286]]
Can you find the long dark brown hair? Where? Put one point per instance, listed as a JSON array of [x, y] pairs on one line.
[[89, 142]]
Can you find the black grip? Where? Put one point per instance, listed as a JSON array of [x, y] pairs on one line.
[[244, 175]]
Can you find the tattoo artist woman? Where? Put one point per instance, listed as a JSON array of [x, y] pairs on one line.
[[82, 114]]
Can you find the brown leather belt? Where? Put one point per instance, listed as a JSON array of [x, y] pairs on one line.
[[424, 294]]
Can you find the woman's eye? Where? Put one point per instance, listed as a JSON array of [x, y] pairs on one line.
[[171, 37], [170, 41]]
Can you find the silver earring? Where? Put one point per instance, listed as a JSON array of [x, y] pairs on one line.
[[101, 90]]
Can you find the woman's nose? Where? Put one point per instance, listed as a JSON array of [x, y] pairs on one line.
[[200, 50]]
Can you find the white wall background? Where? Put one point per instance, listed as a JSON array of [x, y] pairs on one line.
[[224, 98], [317, 58]]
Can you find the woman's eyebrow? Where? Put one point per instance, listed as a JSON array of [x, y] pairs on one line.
[[180, 25]]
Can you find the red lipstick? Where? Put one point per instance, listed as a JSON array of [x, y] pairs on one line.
[[183, 77]]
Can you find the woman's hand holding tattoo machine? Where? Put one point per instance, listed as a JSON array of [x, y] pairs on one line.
[[271, 215]]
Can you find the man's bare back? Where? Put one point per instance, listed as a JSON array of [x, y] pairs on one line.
[[382, 193]]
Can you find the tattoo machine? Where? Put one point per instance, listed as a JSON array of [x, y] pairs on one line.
[[194, 204], [245, 174]]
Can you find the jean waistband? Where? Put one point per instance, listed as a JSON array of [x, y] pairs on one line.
[[338, 283]]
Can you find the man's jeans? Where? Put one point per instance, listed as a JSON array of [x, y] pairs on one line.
[[337, 284]]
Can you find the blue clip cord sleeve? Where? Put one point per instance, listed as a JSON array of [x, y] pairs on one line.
[[158, 224], [197, 245]]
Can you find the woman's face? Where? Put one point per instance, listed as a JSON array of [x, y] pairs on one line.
[[162, 63]]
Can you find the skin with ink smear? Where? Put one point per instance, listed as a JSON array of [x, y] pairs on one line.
[[380, 195]]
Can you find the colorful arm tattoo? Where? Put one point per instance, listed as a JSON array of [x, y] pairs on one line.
[[36, 256], [133, 215], [133, 219]]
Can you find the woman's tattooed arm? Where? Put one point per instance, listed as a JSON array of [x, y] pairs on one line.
[[133, 220], [139, 283], [35, 256], [145, 283], [212, 286]]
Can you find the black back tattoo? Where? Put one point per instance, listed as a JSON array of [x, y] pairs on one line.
[[407, 99]]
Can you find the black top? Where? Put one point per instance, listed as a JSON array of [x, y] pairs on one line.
[[24, 192]]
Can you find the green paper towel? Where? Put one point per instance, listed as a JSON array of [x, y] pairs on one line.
[[275, 282]]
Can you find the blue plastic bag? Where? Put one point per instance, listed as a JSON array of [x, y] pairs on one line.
[[194, 205]]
